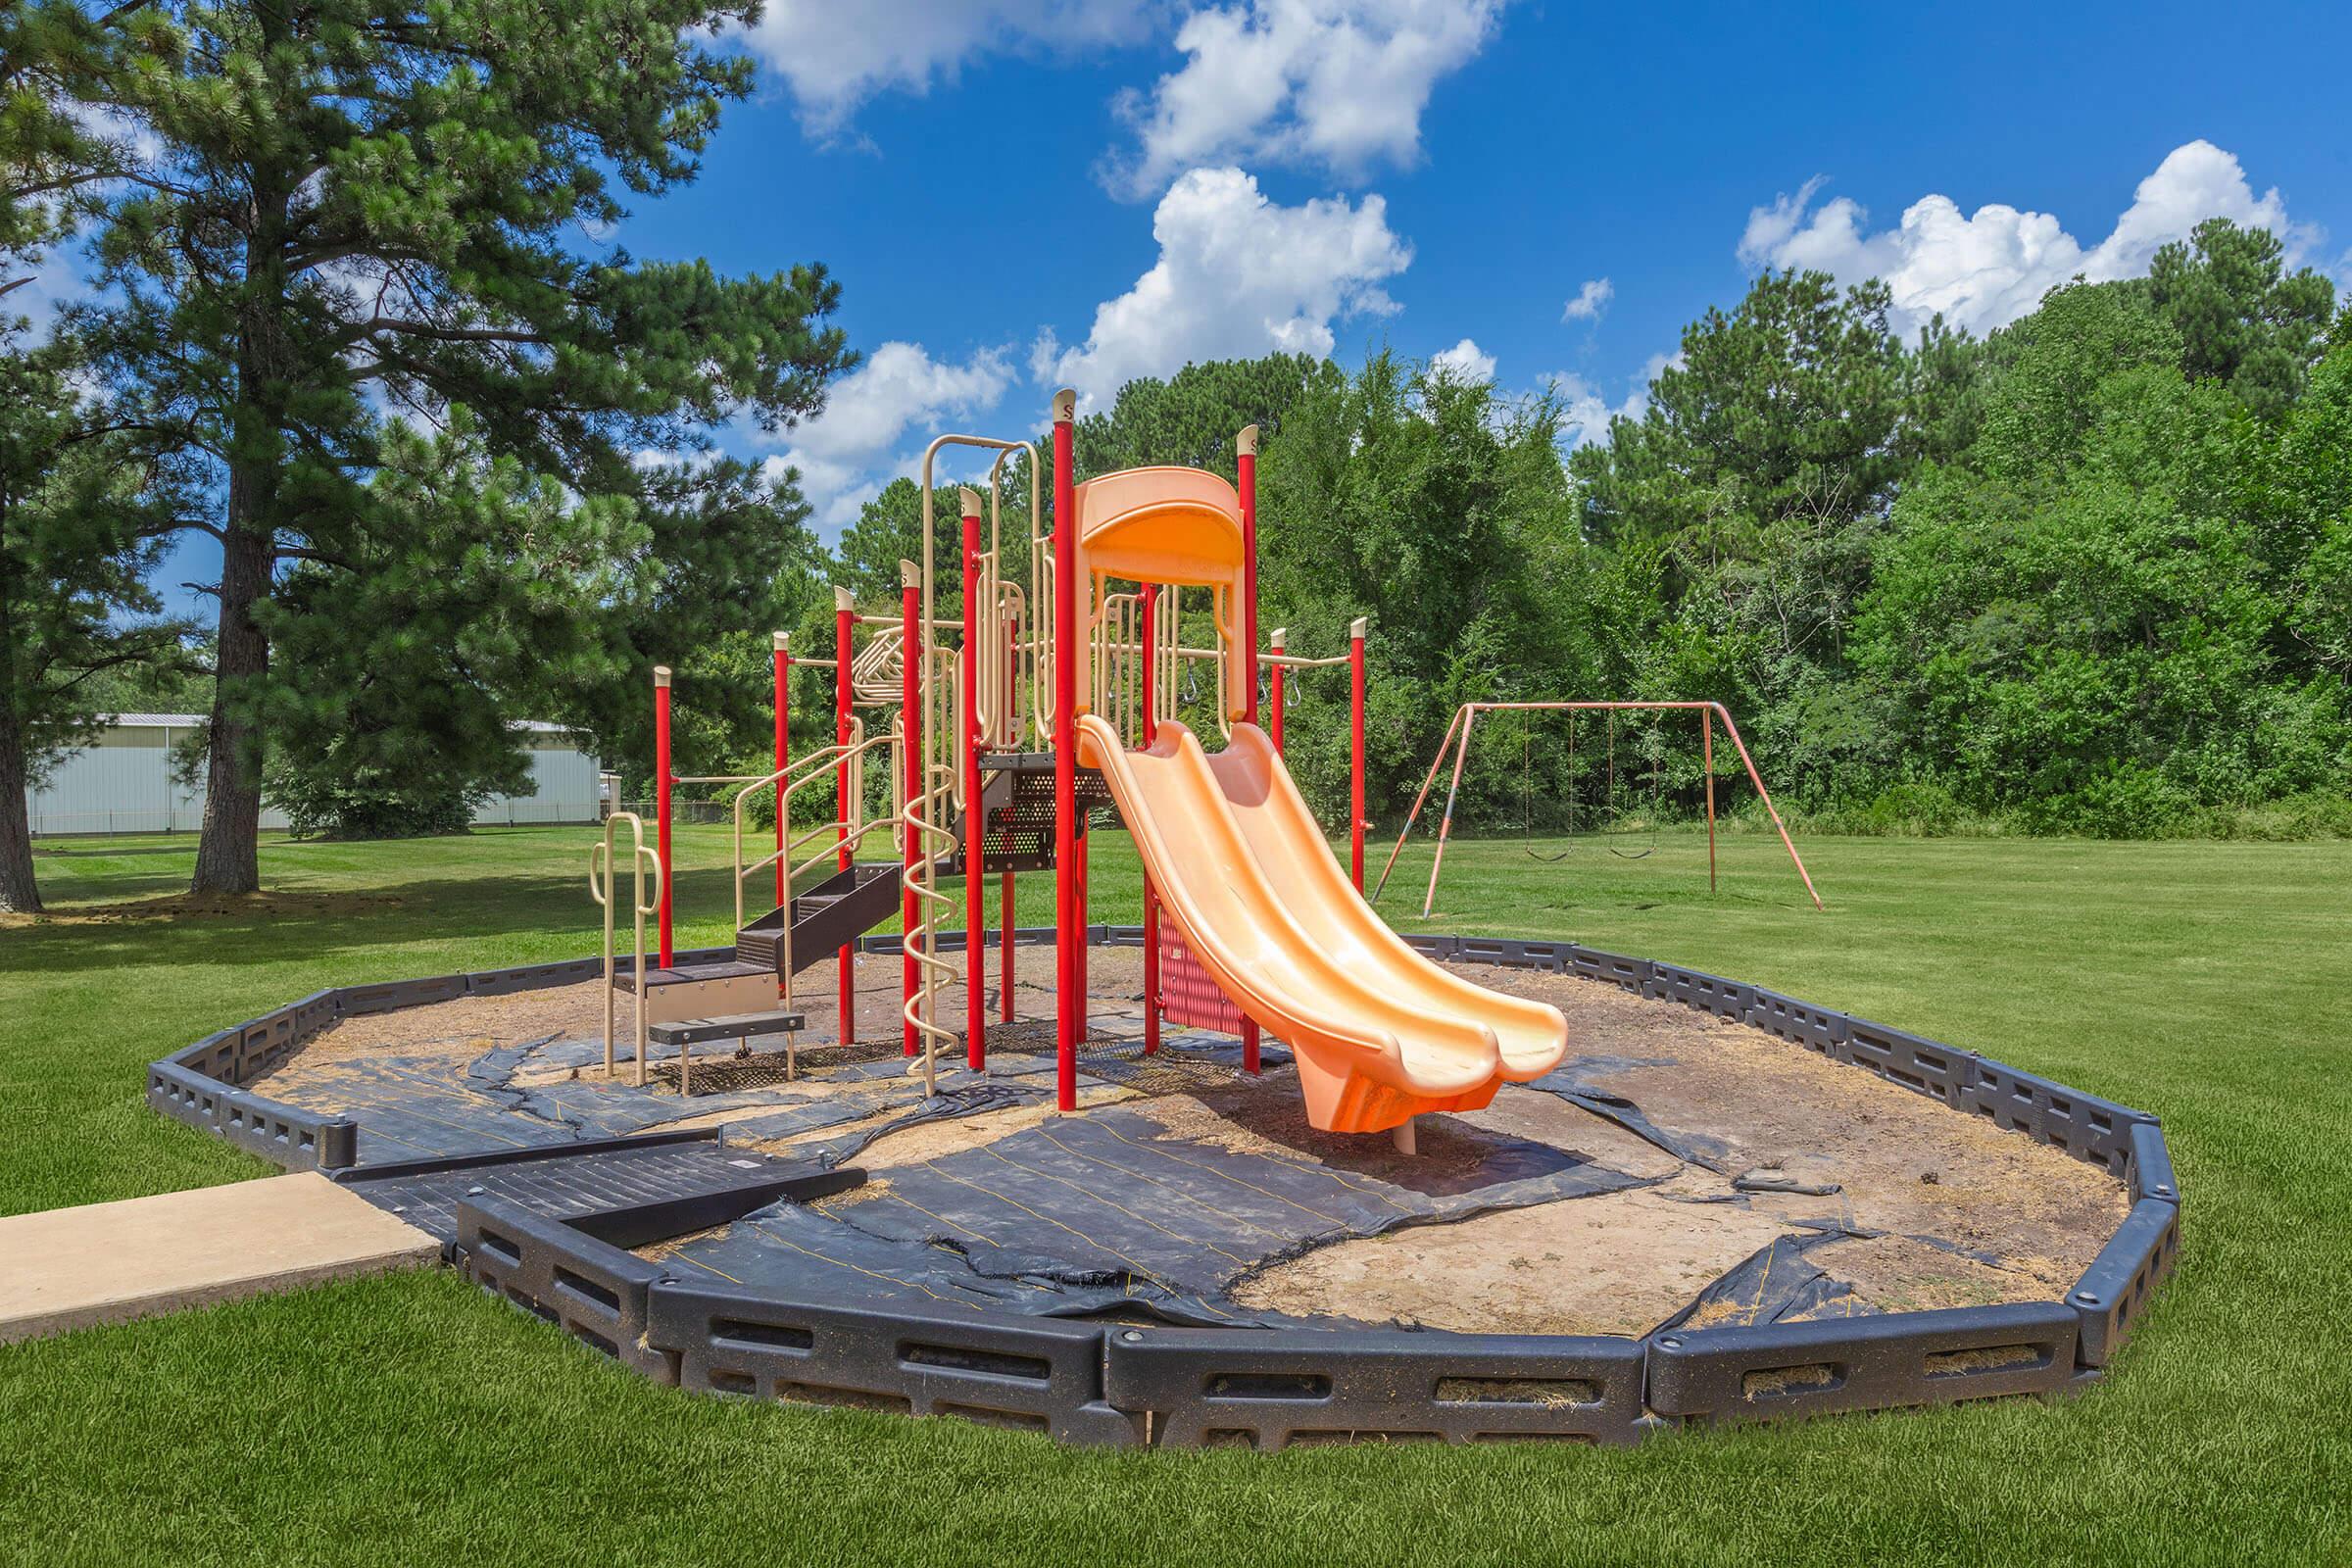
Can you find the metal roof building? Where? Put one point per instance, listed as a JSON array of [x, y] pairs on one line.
[[122, 782]]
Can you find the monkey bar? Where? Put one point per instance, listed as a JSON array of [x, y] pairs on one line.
[[1457, 742]]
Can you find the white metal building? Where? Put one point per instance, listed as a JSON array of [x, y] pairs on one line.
[[122, 783]]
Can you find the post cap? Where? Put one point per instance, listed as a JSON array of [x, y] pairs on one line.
[[1065, 405], [910, 576], [783, 640], [661, 674], [1276, 636], [844, 601], [970, 498], [1244, 444], [1355, 627]]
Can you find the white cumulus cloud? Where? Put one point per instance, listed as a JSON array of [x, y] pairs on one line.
[[1237, 275], [836, 55], [1586, 412], [1591, 299], [1465, 362], [1985, 269], [856, 445], [1337, 83]]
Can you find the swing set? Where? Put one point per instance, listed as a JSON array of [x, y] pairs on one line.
[[1613, 816], [1457, 743]]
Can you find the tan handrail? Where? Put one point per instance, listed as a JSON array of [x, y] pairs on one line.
[[823, 763], [838, 837], [600, 888]]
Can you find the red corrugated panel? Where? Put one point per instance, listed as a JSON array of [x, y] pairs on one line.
[[1188, 995]]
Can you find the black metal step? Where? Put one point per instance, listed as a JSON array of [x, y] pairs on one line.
[[733, 1026], [827, 918], [625, 979]]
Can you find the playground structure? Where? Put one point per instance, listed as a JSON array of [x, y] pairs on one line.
[[1456, 744], [1261, 928], [1120, 1221]]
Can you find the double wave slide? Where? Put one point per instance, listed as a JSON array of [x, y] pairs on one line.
[[1380, 1033]]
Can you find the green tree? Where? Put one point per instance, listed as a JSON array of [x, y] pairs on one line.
[[2049, 371], [890, 529], [2243, 320], [1742, 503], [2084, 642], [1443, 515], [2306, 507], [1190, 419], [459, 607], [79, 517], [82, 493], [710, 521], [1795, 404], [352, 209], [54, 163]]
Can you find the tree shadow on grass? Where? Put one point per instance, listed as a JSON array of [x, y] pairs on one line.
[[538, 908]]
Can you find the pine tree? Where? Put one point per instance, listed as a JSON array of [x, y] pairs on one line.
[[78, 482], [353, 212]]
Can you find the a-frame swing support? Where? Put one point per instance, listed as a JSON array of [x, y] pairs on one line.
[[1458, 744]]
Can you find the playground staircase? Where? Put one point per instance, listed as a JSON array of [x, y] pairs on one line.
[[737, 996], [824, 920]]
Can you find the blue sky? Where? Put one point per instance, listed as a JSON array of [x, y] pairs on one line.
[[1015, 193]]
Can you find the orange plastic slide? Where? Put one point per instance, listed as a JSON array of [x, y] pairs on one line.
[[1380, 1033]]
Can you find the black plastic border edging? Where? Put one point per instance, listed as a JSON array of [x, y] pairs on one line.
[[1038, 1373], [1267, 1388], [595, 1292], [1863, 1363], [287, 1134], [1209, 1388]]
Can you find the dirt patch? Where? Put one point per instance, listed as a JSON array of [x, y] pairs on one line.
[[1900, 1274], [460, 1029], [1618, 1263], [205, 905], [936, 1139], [1902, 1162]]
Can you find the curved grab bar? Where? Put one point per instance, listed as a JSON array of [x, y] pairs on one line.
[[601, 889]]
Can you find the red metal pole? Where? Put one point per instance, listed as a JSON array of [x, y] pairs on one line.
[[1276, 637], [1068, 639], [1355, 751], [1245, 471], [1246, 465], [783, 749], [1150, 639], [975, 916], [845, 634], [912, 643], [661, 796]]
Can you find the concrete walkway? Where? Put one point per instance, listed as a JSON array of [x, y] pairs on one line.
[[110, 1262]]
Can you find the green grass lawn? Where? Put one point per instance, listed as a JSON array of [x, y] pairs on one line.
[[412, 1420]]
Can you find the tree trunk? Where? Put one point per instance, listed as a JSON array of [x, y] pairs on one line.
[[19, 894], [228, 852]]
